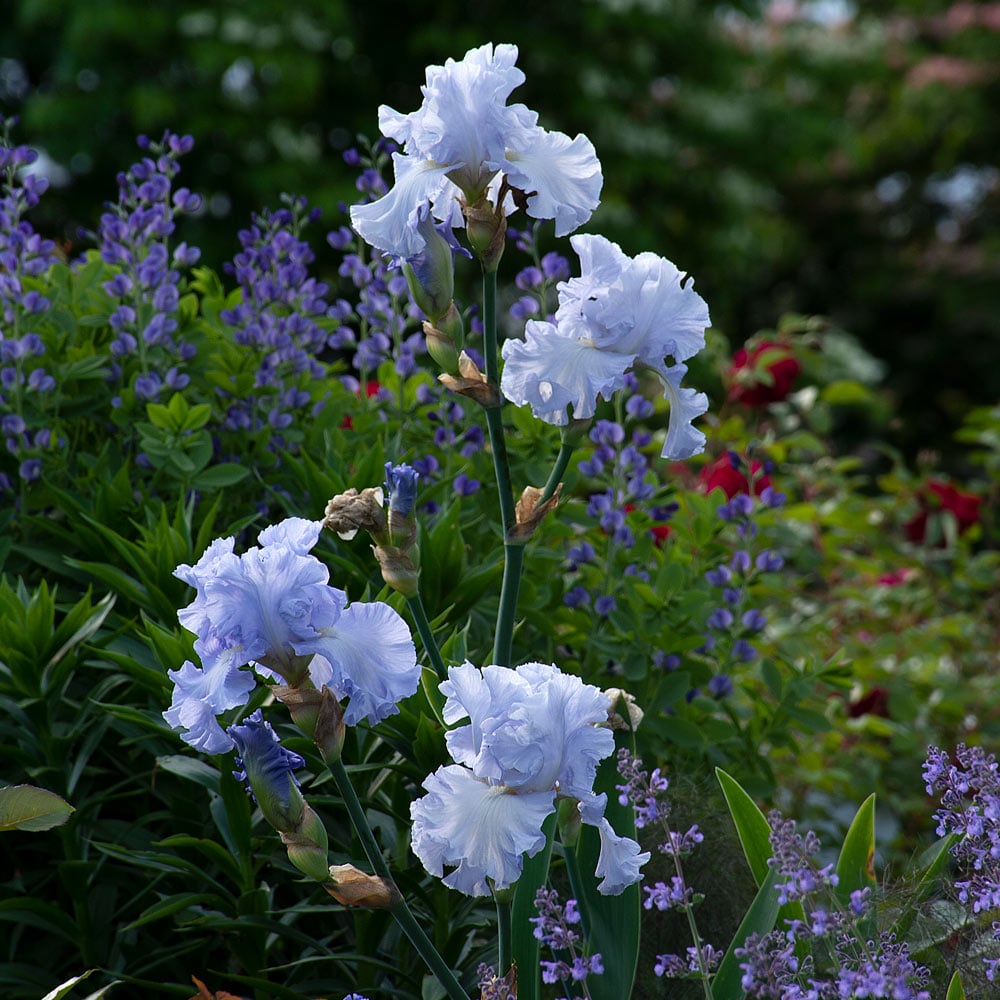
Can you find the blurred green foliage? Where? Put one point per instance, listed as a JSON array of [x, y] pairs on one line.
[[830, 158]]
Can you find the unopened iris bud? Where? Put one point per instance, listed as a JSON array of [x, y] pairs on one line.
[[486, 226], [401, 487], [445, 337], [266, 767], [431, 273], [307, 846]]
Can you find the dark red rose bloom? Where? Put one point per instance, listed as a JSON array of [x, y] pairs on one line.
[[744, 385], [872, 702], [722, 474], [937, 496]]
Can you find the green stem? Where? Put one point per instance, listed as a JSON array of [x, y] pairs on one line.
[[401, 912], [504, 639], [513, 554], [427, 635], [504, 903], [558, 470]]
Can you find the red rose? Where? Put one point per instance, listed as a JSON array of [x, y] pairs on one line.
[[743, 377], [872, 702], [720, 474], [937, 496]]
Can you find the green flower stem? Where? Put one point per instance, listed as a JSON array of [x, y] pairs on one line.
[[558, 470], [401, 912], [509, 587], [503, 933], [427, 635], [513, 554]]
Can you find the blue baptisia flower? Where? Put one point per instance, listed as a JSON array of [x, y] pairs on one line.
[[621, 314], [272, 609], [465, 140], [534, 735]]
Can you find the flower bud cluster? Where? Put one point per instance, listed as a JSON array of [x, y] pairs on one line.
[[537, 281], [968, 787], [734, 623]]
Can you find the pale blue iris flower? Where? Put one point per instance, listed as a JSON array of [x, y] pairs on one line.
[[272, 609], [534, 735], [462, 141], [621, 314]]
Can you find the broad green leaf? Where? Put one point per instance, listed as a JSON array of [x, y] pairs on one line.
[[955, 989], [612, 922], [64, 988], [25, 807], [221, 476], [192, 768], [751, 825], [856, 864], [524, 946], [170, 905], [759, 919]]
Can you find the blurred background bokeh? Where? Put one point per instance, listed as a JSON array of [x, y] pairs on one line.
[[822, 157]]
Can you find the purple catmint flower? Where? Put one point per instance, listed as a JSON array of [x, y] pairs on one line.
[[791, 856]]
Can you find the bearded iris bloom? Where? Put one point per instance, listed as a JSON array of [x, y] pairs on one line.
[[534, 735], [465, 141], [272, 609], [621, 314]]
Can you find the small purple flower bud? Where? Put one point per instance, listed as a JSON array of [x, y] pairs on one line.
[[741, 561], [721, 686], [770, 561]]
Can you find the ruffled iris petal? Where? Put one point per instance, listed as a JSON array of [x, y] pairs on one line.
[[483, 831], [368, 657], [390, 224], [683, 439], [564, 174], [552, 369]]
